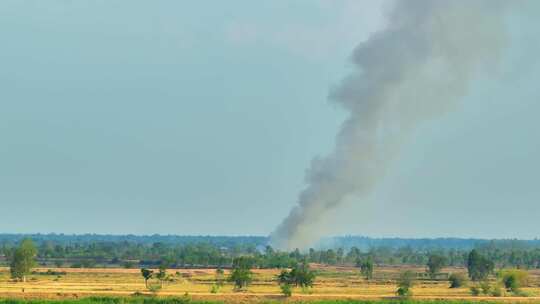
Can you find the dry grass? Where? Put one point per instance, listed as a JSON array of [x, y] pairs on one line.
[[332, 283]]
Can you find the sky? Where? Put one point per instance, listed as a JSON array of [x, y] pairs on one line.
[[201, 117]]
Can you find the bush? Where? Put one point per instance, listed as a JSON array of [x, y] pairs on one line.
[[486, 288], [405, 283], [306, 290], [514, 279], [521, 293], [154, 288], [510, 283], [457, 280], [496, 291], [286, 289], [403, 292], [475, 291], [215, 288]]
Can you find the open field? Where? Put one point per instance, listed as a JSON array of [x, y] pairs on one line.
[[186, 300], [331, 283]]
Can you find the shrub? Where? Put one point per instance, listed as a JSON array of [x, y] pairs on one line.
[[154, 288], [475, 291], [306, 290], [496, 291], [215, 288], [405, 283], [286, 289], [521, 293], [457, 280], [514, 279], [486, 288], [510, 283]]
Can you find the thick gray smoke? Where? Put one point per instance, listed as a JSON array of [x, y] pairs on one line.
[[416, 69]]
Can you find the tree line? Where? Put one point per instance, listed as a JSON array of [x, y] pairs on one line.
[[221, 253]]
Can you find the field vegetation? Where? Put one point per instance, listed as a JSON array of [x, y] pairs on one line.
[[188, 300], [300, 279]]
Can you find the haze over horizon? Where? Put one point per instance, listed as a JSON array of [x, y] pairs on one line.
[[198, 119]]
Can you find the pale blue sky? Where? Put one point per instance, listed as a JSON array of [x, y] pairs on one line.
[[200, 117]]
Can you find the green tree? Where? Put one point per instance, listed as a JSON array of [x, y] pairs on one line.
[[405, 283], [241, 275], [286, 289], [457, 280], [219, 277], [479, 267], [147, 275], [366, 267], [300, 275], [435, 264], [514, 279], [23, 260], [303, 276], [162, 274]]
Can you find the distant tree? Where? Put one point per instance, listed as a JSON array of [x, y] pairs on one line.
[[457, 280], [479, 267], [300, 275], [285, 277], [128, 264], [147, 275], [514, 279], [339, 255], [241, 275], [219, 276], [23, 260], [268, 250], [162, 274], [435, 264], [330, 257], [88, 263], [366, 267], [405, 283]]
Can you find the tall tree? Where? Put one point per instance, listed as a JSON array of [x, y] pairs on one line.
[[23, 260], [147, 275], [479, 267], [366, 267], [162, 274], [241, 274], [435, 264]]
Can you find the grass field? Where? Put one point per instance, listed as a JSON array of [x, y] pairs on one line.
[[186, 300], [332, 283]]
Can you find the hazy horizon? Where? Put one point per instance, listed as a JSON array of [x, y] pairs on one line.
[[200, 118]]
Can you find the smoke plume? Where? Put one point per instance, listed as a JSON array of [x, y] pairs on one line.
[[416, 69]]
